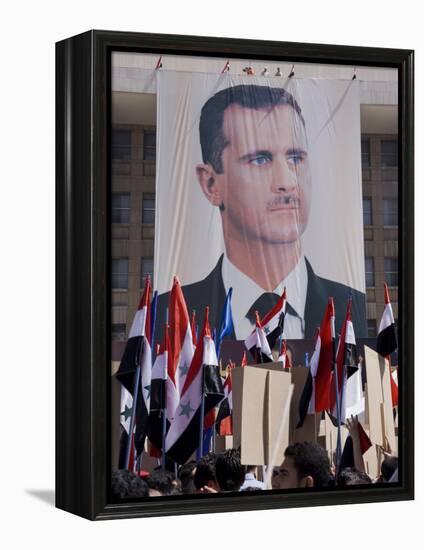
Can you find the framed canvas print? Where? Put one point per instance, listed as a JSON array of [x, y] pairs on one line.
[[234, 275]]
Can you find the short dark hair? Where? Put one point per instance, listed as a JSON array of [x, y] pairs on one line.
[[229, 470], [205, 470], [186, 475], [352, 476], [126, 484], [310, 459], [388, 467], [163, 481], [250, 96]]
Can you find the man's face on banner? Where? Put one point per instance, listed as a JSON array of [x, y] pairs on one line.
[[265, 184]]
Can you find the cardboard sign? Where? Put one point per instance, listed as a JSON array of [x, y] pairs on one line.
[[261, 401], [379, 400]]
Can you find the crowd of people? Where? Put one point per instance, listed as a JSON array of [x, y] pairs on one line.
[[305, 465]]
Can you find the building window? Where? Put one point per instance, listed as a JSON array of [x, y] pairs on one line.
[[369, 271], [149, 145], [389, 153], [146, 269], [121, 144], [120, 273], [365, 153], [119, 332], [391, 271], [367, 210], [390, 212], [148, 208], [120, 208], [372, 328]]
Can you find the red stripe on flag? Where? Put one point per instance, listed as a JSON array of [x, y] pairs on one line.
[[178, 321], [324, 374], [364, 440]]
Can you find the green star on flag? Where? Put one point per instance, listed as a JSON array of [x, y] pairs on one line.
[[126, 413], [184, 369], [186, 409]]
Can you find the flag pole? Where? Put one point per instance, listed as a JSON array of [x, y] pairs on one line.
[[164, 396], [336, 378], [136, 383], [202, 415], [202, 403]]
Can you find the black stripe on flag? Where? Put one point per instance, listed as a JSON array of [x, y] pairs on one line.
[[305, 399], [188, 441]]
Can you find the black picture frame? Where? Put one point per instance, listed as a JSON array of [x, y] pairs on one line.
[[82, 276]]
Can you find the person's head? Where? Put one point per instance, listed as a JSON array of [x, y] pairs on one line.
[[304, 465], [161, 483], [388, 467], [255, 162], [229, 470], [205, 474], [126, 484], [352, 476], [186, 475]]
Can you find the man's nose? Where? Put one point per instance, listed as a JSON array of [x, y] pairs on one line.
[[284, 179]]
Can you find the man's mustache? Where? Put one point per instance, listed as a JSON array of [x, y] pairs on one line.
[[289, 200]]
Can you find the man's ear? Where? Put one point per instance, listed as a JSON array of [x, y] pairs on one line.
[[207, 180], [308, 481]]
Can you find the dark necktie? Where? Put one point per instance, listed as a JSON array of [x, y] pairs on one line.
[[265, 303]]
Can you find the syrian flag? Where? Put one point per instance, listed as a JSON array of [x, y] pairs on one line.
[[158, 397], [307, 399], [244, 360], [226, 327], [386, 339], [135, 370], [181, 348], [325, 363], [258, 345], [125, 414], [352, 401], [284, 357], [224, 420], [183, 435]]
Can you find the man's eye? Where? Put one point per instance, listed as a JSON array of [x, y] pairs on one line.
[[296, 158], [259, 160]]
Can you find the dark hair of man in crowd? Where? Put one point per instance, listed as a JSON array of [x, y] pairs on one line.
[[186, 476], [163, 482], [205, 471], [229, 470], [250, 96], [352, 476], [310, 459], [388, 467], [127, 484]]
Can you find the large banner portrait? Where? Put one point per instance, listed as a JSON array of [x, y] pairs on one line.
[[258, 189]]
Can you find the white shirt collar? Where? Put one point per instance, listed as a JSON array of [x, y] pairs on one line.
[[246, 292]]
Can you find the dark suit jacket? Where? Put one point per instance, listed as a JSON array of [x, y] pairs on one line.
[[211, 292]]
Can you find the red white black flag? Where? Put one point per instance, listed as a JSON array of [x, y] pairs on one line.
[[307, 399], [138, 355], [257, 343], [224, 421], [202, 379], [324, 373], [351, 396], [158, 395], [386, 339], [181, 347]]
